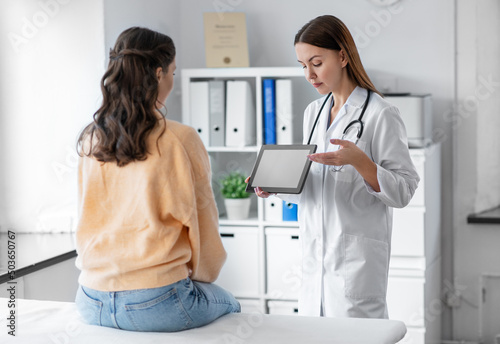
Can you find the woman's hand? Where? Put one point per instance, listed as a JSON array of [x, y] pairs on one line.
[[259, 192], [347, 154]]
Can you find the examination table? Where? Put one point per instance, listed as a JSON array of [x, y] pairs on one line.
[[59, 323]]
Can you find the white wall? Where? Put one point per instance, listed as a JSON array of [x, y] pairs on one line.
[[158, 15], [52, 60], [477, 163], [487, 94]]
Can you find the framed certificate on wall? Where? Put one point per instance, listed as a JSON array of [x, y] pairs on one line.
[[226, 42]]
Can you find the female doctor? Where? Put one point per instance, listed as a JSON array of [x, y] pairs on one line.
[[359, 173]]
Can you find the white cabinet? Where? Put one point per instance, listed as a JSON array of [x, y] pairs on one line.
[[283, 307], [413, 293], [240, 273], [283, 262], [409, 308], [408, 232]]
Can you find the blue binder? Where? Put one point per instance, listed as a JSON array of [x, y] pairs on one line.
[[289, 211], [269, 104]]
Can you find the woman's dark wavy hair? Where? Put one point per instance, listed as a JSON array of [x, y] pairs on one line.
[[129, 87], [329, 32]]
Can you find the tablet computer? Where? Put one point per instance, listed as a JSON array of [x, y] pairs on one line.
[[281, 168]]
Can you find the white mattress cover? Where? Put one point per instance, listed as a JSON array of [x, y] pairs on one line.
[[59, 323]]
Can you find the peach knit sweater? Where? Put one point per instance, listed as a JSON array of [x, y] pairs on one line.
[[150, 223]]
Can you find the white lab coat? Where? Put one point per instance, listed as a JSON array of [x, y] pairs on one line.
[[345, 226]]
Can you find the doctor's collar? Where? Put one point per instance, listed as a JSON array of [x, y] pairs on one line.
[[357, 97]]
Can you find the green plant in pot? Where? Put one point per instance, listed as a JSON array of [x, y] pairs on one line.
[[236, 199]]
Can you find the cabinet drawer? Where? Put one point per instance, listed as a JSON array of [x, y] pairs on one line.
[[405, 300], [408, 232], [283, 262], [283, 307], [240, 273]]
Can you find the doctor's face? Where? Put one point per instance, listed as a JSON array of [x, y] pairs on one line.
[[322, 67]]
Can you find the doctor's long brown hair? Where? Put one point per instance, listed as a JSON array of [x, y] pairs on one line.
[[129, 88], [329, 32]]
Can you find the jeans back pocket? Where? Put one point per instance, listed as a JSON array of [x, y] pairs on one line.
[[163, 313], [90, 309]]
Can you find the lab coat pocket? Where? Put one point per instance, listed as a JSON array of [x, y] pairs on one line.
[[366, 263], [346, 174]]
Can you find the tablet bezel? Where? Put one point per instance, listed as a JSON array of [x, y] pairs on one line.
[[305, 171]]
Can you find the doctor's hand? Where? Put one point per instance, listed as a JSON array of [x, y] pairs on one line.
[[350, 154], [259, 192], [347, 154]]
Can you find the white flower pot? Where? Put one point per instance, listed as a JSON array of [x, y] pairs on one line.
[[237, 208]]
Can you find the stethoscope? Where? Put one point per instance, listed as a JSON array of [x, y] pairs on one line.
[[353, 124]]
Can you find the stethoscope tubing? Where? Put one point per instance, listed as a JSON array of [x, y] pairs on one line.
[[359, 120], [317, 117]]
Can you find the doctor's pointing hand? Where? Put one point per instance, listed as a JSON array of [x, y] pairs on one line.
[[360, 171]]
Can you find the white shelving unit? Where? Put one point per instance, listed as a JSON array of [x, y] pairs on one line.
[[258, 250]]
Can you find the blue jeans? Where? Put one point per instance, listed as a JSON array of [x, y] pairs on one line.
[[179, 306]]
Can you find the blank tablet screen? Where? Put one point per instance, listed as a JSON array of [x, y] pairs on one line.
[[281, 168]]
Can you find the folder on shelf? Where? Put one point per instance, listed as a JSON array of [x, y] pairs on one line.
[[273, 209], [217, 121], [199, 109], [289, 211], [269, 110], [240, 114], [284, 128]]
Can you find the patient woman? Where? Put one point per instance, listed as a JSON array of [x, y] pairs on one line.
[[147, 237]]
